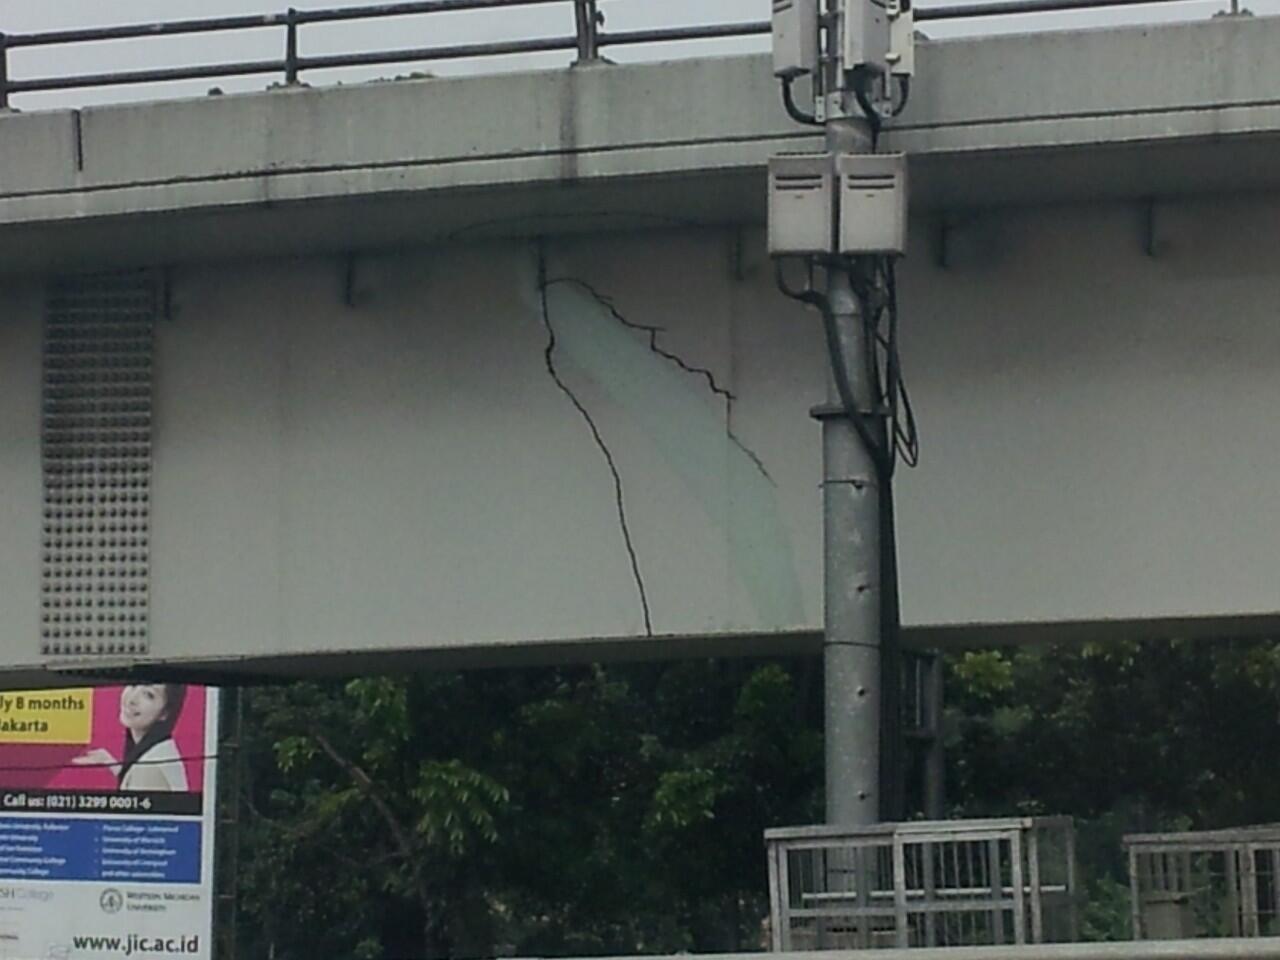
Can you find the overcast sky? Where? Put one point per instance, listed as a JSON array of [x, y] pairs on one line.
[[20, 16]]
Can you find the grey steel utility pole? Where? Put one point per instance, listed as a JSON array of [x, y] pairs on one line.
[[851, 649], [837, 213], [851, 619]]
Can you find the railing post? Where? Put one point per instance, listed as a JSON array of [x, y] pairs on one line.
[[291, 47], [4, 72], [587, 20]]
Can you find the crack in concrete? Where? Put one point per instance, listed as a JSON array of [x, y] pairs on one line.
[[653, 331], [549, 358]]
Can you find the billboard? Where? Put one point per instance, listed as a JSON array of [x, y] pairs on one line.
[[107, 809]]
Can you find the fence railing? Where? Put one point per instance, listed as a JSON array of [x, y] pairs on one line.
[[587, 41]]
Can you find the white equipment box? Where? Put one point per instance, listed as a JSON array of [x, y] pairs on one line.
[[801, 203], [795, 37], [873, 203]]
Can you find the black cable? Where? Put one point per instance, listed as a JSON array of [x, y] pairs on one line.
[[879, 304], [880, 448], [844, 386], [99, 765], [871, 309], [890, 655], [793, 111], [861, 79], [781, 279], [907, 443], [878, 298], [904, 85], [906, 436]]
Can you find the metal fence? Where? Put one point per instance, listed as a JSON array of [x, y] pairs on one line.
[[922, 884], [586, 43], [1217, 883]]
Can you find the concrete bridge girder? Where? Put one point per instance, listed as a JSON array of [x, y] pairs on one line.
[[365, 455]]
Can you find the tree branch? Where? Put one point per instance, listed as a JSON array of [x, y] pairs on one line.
[[402, 838], [370, 790]]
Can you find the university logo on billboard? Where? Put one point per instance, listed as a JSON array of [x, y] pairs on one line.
[[106, 809]]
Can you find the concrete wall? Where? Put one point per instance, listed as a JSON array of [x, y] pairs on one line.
[[412, 474], [393, 465]]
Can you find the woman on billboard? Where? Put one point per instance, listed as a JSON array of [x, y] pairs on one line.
[[150, 759]]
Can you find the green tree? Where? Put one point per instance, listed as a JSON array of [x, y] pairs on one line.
[[563, 811], [612, 810], [1125, 736], [351, 828]]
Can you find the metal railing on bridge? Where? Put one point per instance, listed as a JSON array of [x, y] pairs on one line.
[[586, 42], [951, 883]]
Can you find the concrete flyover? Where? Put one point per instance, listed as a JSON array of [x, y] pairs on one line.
[[362, 456]]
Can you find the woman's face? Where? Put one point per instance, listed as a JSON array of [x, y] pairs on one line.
[[141, 706]]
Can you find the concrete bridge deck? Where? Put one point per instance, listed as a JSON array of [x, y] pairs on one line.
[[1153, 111], [361, 461]]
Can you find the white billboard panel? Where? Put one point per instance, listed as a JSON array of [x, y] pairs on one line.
[[107, 803]]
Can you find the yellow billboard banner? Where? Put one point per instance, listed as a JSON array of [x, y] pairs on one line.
[[47, 716]]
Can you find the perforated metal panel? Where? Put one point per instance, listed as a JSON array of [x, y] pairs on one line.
[[97, 464]]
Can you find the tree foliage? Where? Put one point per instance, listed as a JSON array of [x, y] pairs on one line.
[[1125, 736], [617, 810], [557, 811]]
